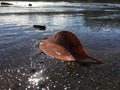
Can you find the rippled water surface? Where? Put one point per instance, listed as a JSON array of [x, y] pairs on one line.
[[24, 67]]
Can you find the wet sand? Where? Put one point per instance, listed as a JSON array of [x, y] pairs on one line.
[[20, 61], [23, 66]]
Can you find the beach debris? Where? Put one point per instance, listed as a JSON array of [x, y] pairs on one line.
[[29, 4], [40, 27], [64, 45], [6, 3]]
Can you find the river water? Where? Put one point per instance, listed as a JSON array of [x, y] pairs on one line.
[[23, 66]]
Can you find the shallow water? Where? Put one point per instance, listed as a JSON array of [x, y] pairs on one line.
[[24, 67]]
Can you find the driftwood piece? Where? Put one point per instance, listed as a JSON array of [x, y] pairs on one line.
[[6, 3], [40, 27]]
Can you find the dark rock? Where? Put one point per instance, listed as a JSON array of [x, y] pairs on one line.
[[40, 27], [29, 4]]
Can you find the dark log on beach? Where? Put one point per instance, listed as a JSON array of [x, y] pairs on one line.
[[40, 27], [5, 3]]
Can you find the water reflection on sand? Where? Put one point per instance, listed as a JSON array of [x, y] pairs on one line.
[[24, 67]]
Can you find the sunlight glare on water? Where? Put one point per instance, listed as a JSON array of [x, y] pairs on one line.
[[38, 79]]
